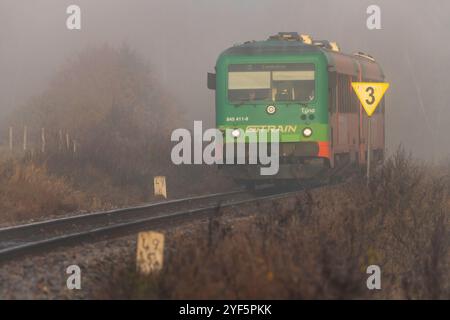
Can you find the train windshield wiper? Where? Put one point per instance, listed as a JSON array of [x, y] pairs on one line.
[[239, 103], [254, 102]]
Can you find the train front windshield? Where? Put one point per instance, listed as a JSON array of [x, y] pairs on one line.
[[271, 82]]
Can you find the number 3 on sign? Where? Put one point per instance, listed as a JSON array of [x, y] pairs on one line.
[[370, 94], [371, 91]]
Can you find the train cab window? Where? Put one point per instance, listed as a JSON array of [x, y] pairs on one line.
[[249, 86], [275, 82], [293, 85]]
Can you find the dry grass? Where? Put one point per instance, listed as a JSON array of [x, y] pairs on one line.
[[318, 249], [28, 192]]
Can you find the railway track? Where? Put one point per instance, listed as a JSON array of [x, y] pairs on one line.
[[17, 241]]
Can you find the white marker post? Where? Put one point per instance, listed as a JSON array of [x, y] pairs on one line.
[[370, 95], [150, 252], [159, 184]]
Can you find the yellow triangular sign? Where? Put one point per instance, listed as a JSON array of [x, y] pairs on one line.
[[370, 94]]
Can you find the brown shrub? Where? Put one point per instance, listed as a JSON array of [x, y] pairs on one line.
[[319, 249], [410, 209], [27, 192]]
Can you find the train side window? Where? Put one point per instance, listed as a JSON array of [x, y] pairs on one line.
[[332, 99], [342, 90], [342, 94], [345, 92], [342, 99], [332, 92], [339, 98], [380, 108], [355, 101], [348, 86]]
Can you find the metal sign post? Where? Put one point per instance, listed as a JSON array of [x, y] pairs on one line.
[[370, 95], [369, 148]]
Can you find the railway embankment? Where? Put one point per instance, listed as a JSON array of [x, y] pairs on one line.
[[315, 244]]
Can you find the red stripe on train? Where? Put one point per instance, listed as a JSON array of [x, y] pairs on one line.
[[324, 149]]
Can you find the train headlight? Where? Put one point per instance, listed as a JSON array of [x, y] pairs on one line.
[[236, 133], [271, 109], [307, 132]]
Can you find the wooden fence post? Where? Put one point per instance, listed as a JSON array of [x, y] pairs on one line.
[[43, 140], [11, 138], [67, 142], [25, 129], [60, 140]]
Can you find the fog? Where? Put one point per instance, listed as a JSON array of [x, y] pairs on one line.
[[181, 40]]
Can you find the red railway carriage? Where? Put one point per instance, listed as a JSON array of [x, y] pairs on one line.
[[348, 120]]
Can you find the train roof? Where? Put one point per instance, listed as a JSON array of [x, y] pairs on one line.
[[337, 61]]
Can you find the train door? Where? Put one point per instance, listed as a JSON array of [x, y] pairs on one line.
[[332, 116]]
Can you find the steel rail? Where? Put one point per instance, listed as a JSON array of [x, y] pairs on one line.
[[130, 227], [9, 233]]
